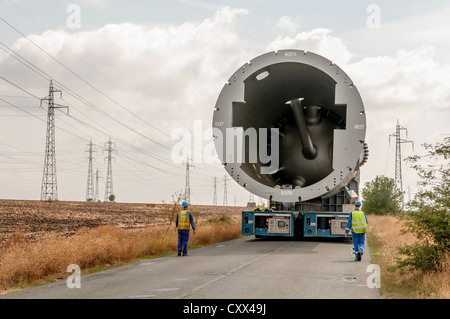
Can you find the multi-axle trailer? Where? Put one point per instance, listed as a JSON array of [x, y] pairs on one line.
[[299, 224]]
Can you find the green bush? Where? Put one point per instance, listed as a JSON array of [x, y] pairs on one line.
[[428, 215], [381, 196], [421, 257], [220, 219]]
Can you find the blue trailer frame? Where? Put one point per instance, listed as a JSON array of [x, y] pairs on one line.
[[290, 224], [267, 223], [324, 224]]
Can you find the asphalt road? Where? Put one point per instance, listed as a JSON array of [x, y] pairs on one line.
[[242, 268]]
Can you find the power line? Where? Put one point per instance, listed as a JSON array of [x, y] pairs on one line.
[[45, 75], [168, 171], [92, 86], [67, 90], [41, 72], [84, 123]]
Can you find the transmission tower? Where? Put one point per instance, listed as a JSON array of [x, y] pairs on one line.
[[398, 153], [90, 179], [49, 189], [110, 147], [97, 177], [225, 195], [187, 187], [215, 191]]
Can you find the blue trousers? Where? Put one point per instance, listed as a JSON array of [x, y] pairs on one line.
[[183, 239], [358, 242]]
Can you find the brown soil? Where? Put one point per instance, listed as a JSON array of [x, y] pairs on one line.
[[38, 218]]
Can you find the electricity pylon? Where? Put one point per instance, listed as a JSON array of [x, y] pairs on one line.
[[398, 154], [110, 147], [97, 177], [215, 192], [90, 179], [49, 189], [225, 195], [187, 186]]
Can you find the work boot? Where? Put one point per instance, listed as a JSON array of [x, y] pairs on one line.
[[185, 254], [179, 253], [359, 256]]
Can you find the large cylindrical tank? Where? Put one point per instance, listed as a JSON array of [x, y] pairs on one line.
[[290, 126]]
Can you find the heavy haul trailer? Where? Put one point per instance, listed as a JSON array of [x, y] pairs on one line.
[[330, 221], [290, 224], [289, 126]]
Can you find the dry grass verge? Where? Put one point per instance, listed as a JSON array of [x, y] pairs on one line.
[[23, 262], [396, 283]]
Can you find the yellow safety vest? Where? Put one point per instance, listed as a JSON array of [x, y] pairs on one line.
[[359, 224], [183, 220]]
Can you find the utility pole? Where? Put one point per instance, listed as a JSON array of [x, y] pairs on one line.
[[110, 147], [225, 195], [398, 153], [215, 192], [187, 187], [49, 189], [90, 179]]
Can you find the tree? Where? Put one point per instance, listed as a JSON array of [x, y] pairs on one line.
[[381, 196], [112, 198], [428, 214], [170, 211]]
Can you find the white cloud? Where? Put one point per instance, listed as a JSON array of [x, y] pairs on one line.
[[287, 26], [407, 78], [171, 75], [319, 41], [173, 67], [430, 29], [168, 75], [403, 87]]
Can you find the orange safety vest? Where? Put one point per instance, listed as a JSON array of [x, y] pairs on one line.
[[183, 220]]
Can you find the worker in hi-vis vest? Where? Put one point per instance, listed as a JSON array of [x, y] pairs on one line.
[[184, 222], [357, 223]]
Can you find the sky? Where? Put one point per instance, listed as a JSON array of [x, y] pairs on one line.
[[135, 71]]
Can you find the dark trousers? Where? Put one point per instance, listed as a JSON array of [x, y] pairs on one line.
[[183, 239]]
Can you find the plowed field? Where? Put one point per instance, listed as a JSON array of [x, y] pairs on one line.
[[36, 219]]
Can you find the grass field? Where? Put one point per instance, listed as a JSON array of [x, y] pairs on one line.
[[40, 239], [23, 262], [384, 239]]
